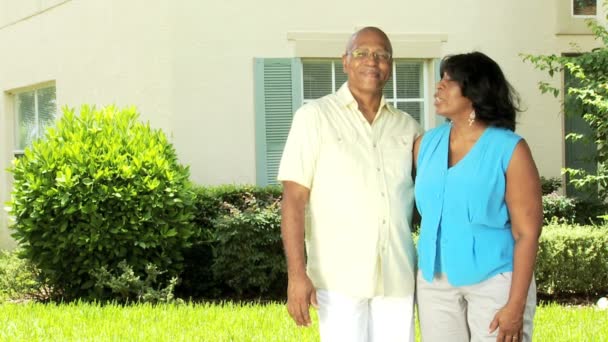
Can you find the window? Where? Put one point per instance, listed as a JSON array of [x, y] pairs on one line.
[[35, 110], [584, 8], [404, 90]]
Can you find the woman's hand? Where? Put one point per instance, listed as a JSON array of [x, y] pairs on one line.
[[509, 322]]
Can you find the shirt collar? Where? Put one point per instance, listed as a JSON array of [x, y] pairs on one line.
[[347, 99]]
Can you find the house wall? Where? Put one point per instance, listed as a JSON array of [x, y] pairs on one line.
[[188, 65], [97, 52]]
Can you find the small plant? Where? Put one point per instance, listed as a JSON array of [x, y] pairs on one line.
[[19, 279], [127, 286]]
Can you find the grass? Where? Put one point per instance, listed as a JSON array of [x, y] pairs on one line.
[[570, 323], [188, 322], [227, 322]]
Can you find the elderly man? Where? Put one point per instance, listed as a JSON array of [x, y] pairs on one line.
[[348, 191]]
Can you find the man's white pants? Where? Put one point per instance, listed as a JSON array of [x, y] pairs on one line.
[[349, 319]]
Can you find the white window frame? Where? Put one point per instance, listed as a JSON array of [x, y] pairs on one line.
[[16, 127]]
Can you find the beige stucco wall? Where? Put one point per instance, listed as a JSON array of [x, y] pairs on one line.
[[97, 52], [188, 64]]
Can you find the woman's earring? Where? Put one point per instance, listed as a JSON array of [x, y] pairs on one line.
[[471, 118]]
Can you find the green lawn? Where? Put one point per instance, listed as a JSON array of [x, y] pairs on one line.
[[226, 322]]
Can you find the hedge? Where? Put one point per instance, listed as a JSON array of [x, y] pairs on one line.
[[573, 260], [237, 252], [241, 226]]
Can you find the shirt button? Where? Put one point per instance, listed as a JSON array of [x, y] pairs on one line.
[[383, 221], [378, 169], [374, 145], [382, 193]]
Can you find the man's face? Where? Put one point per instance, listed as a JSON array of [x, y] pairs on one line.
[[366, 64]]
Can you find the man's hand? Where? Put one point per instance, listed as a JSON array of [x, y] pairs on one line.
[[509, 323], [300, 295]]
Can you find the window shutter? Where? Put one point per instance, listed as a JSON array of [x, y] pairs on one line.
[[278, 94]]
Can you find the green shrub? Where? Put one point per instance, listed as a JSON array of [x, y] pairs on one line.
[[550, 185], [561, 209], [558, 208], [210, 200], [588, 211], [199, 279], [248, 253], [100, 188], [19, 279], [573, 260]]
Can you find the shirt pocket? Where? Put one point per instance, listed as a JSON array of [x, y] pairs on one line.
[[397, 157], [337, 157]]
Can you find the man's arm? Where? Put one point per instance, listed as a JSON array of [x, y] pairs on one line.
[[300, 290]]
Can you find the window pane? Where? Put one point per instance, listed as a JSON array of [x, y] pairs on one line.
[[584, 7], [316, 77], [415, 109], [409, 80], [47, 108], [388, 89], [26, 120], [339, 74]]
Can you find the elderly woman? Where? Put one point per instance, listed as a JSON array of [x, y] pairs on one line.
[[478, 193]]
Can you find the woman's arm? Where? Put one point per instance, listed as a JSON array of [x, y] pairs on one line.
[[524, 201]]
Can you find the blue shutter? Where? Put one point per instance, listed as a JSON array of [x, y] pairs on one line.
[[278, 93]]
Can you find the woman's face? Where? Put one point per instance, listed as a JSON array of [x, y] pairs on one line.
[[449, 101]]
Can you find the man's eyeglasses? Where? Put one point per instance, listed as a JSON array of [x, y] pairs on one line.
[[383, 56]]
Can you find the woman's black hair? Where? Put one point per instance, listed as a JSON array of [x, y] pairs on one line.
[[494, 100]]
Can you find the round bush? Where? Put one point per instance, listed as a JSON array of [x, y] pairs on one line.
[[101, 188]]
